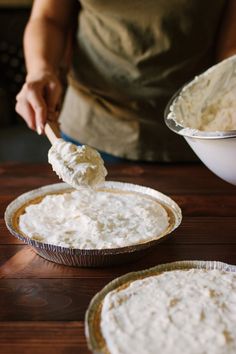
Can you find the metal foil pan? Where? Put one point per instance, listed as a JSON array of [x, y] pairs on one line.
[[95, 340], [89, 257]]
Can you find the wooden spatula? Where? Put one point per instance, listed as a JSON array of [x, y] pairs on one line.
[[52, 131]]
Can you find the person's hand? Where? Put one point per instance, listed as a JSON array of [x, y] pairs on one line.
[[39, 99]]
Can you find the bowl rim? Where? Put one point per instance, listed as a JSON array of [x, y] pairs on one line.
[[21, 200], [176, 127]]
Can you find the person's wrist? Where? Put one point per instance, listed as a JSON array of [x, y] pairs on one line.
[[41, 71]]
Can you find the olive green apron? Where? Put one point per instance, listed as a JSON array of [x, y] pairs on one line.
[[129, 59]]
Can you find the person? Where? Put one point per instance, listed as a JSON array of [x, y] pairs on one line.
[[125, 59]]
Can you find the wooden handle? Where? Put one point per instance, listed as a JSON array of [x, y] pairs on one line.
[[52, 131]]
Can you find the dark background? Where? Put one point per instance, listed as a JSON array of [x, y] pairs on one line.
[[17, 142]]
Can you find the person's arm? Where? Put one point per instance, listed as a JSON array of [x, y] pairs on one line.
[[45, 42], [226, 45]]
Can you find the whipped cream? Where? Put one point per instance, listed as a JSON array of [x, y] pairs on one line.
[[77, 165], [220, 115], [178, 312], [93, 219], [208, 103]]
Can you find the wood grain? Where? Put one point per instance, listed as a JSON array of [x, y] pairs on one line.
[[44, 300], [42, 337], [43, 304]]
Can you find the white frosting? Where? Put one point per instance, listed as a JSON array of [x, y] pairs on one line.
[[176, 312], [89, 219], [208, 103], [77, 165]]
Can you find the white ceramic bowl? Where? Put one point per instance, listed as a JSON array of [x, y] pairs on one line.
[[216, 149]]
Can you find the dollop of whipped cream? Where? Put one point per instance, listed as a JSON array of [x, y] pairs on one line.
[[77, 165], [94, 219], [178, 312]]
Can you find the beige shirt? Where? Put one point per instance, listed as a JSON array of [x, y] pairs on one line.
[[130, 57]]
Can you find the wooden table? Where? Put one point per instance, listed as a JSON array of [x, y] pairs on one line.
[[42, 304]]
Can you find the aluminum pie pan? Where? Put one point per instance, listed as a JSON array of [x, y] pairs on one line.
[[90, 257], [95, 340]]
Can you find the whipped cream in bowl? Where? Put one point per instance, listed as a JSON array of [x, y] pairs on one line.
[[112, 223], [206, 106], [77, 165], [204, 113]]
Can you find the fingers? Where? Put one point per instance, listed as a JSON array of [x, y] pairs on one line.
[[38, 104], [32, 106], [24, 109], [39, 100]]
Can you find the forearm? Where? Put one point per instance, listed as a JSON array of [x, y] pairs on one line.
[[47, 34], [226, 45], [44, 45]]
